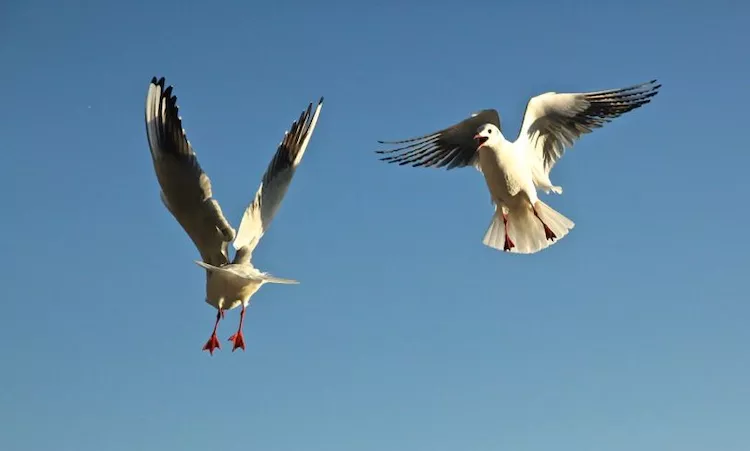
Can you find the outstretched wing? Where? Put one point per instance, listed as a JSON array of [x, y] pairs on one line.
[[452, 147], [554, 121], [276, 180], [185, 188]]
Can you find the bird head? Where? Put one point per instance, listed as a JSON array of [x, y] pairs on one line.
[[487, 134]]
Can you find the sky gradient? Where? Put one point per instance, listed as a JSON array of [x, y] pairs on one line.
[[406, 333]]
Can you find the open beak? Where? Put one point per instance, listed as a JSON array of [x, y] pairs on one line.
[[479, 139]]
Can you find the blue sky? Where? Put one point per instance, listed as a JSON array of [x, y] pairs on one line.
[[406, 333]]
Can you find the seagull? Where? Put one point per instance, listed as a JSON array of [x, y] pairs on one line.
[[513, 171], [186, 192]]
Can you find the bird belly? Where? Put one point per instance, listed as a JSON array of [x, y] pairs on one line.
[[501, 170], [226, 292]]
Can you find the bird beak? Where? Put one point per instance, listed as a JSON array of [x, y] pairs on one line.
[[479, 139]]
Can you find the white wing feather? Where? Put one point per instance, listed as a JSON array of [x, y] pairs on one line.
[[554, 121], [259, 214]]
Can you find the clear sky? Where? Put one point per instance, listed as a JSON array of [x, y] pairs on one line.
[[406, 333]]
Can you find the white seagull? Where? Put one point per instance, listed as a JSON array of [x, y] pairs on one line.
[[514, 170], [186, 192]]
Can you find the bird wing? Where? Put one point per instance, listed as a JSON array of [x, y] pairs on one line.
[[185, 188], [452, 147], [553, 121], [259, 214]]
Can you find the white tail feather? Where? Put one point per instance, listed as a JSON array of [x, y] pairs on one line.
[[525, 230], [246, 272], [495, 235], [273, 279]]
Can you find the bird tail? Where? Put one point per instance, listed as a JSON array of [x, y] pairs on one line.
[[525, 232], [273, 279], [255, 275], [495, 235]]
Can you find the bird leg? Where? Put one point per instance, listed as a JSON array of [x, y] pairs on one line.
[[509, 244], [238, 338], [548, 233], [213, 342]]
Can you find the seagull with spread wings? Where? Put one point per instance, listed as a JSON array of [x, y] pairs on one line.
[[514, 170], [186, 192]]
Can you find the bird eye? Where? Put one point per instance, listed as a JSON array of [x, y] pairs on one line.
[[489, 130]]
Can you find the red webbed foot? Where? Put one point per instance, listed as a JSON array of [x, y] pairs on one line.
[[548, 233], [509, 244], [239, 341], [238, 338], [212, 344]]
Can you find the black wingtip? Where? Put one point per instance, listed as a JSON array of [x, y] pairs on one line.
[[320, 102], [655, 85], [654, 88]]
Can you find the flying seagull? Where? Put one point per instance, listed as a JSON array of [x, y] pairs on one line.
[[186, 192], [552, 123]]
